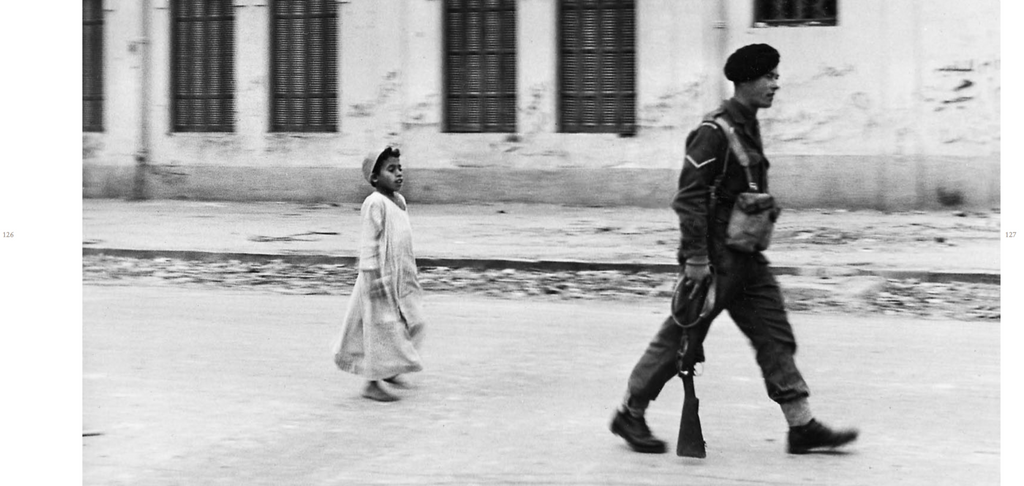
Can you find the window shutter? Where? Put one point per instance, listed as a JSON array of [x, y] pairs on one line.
[[203, 45], [92, 66], [304, 66], [597, 79], [480, 66]]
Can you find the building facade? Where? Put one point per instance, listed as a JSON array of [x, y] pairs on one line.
[[886, 105]]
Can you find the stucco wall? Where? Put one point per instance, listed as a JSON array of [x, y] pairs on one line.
[[873, 112]]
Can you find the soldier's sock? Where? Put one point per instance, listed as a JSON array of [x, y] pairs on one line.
[[633, 406], [797, 412]]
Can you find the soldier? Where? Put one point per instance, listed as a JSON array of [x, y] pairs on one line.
[[745, 286]]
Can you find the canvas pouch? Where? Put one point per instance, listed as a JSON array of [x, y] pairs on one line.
[[753, 215]]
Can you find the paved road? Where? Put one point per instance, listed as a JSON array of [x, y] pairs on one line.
[[237, 387]]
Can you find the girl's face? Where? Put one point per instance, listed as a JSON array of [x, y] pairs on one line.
[[389, 179]]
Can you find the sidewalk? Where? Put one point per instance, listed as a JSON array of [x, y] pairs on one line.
[[935, 246]]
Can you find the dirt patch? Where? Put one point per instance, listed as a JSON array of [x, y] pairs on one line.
[[828, 294]]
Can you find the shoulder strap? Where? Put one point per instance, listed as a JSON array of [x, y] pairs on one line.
[[737, 147]]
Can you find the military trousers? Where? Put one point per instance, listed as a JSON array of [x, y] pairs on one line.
[[748, 291]]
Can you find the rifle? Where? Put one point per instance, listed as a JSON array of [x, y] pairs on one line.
[[690, 442], [694, 312]]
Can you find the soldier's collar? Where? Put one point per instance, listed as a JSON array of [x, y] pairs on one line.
[[740, 114]]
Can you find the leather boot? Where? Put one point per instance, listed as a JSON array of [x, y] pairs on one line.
[[636, 433], [815, 435]]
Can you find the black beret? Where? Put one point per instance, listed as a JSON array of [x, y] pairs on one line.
[[751, 62]]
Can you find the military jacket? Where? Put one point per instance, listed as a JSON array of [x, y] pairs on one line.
[[707, 154]]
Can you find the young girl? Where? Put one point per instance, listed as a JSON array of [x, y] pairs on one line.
[[383, 325]]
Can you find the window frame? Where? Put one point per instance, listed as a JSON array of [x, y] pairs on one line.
[[331, 95], [625, 96], [812, 19], [92, 75], [226, 68], [505, 92]]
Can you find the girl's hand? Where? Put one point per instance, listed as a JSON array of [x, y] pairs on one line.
[[378, 284]]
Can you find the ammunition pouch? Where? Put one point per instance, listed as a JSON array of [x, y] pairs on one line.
[[751, 222]]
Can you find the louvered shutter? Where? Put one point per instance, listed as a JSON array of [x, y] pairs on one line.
[[92, 65], [202, 65], [304, 70], [597, 81], [480, 65]]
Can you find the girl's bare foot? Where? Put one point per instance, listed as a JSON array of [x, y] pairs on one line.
[[397, 381], [373, 391]]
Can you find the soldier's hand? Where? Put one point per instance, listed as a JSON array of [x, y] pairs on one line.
[[696, 272]]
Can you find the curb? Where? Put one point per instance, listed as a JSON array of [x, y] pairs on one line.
[[545, 265], [922, 275]]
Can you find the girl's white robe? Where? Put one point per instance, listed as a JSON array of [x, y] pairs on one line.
[[383, 329]]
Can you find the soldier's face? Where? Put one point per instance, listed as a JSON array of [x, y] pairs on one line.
[[762, 90]]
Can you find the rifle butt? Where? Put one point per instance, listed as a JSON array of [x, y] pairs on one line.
[[690, 442]]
